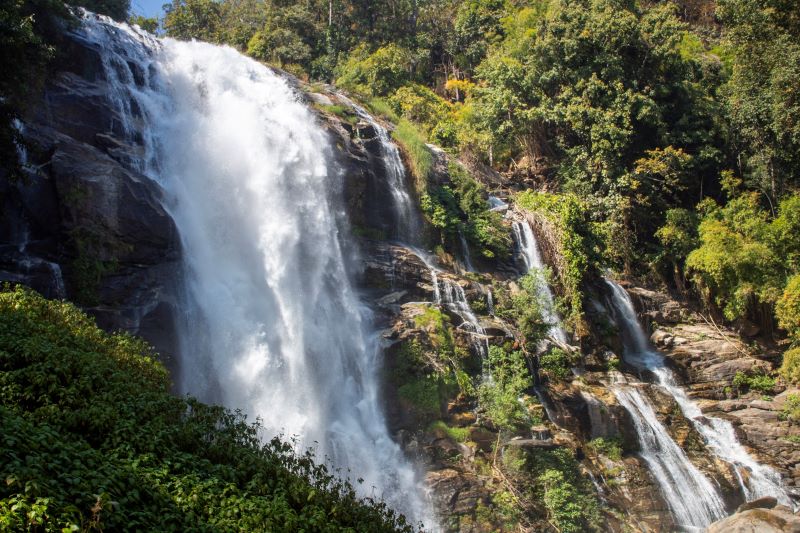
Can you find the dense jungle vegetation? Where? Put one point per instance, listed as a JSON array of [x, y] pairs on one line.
[[674, 124], [660, 138], [93, 440]]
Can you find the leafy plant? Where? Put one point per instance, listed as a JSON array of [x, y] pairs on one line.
[[93, 440], [500, 396]]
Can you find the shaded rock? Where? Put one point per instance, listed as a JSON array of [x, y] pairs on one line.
[[766, 502]]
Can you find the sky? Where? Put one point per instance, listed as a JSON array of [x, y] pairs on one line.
[[148, 8]]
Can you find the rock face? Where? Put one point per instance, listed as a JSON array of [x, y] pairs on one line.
[[759, 516], [86, 224], [708, 357]]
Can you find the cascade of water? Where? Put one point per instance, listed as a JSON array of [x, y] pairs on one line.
[[465, 250], [691, 496], [490, 301], [456, 300], [718, 434], [496, 204], [272, 323], [408, 223], [526, 242]]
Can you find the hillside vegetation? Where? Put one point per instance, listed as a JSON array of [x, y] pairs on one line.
[[92, 440]]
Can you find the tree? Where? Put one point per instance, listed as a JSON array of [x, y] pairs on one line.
[[763, 96], [193, 19]]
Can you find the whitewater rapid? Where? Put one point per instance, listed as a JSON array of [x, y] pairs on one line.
[[272, 324]]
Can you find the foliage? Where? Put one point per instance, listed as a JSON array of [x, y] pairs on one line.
[[579, 242], [790, 367], [193, 19], [524, 309], [554, 478], [456, 433], [460, 208], [757, 382], [745, 255], [583, 86], [611, 448], [791, 408], [93, 440], [787, 309], [375, 74], [500, 396], [149, 24], [414, 146], [762, 96], [678, 236], [557, 363]]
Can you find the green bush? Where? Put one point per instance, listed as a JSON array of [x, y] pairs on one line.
[[524, 309], [557, 363], [611, 448], [418, 154], [578, 240], [554, 478], [790, 367], [499, 397], [791, 409], [377, 73], [787, 309], [455, 433], [756, 382], [92, 440], [423, 396]]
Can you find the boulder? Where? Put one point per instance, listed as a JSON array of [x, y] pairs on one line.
[[778, 520]]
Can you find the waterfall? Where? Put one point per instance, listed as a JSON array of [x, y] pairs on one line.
[[407, 220], [692, 498], [465, 250], [529, 250], [272, 324], [456, 301], [719, 435]]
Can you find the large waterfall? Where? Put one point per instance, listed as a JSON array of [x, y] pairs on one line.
[[755, 479], [272, 323]]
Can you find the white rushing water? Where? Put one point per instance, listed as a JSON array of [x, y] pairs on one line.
[[465, 252], [407, 225], [529, 250], [691, 496], [272, 323], [756, 480]]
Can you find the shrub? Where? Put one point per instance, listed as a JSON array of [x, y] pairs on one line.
[[524, 309], [416, 150], [757, 382], [92, 440], [375, 74], [787, 309], [557, 363], [611, 448], [578, 241], [499, 397], [791, 409], [790, 368]]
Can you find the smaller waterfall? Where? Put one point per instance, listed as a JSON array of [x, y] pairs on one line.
[[450, 294], [407, 221], [718, 434], [465, 250], [456, 301], [496, 204], [690, 495], [529, 251]]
